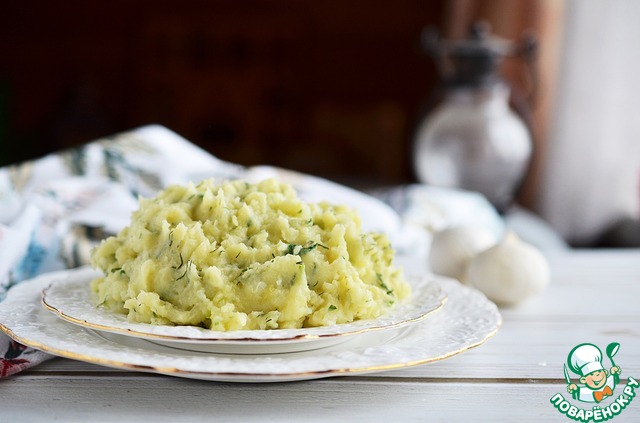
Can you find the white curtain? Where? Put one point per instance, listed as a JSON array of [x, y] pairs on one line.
[[591, 177]]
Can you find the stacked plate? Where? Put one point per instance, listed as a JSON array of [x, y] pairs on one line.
[[56, 313]]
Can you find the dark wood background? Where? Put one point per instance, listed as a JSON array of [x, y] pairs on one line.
[[327, 87], [333, 88]]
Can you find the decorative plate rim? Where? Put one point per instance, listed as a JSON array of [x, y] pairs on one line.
[[468, 313], [427, 298]]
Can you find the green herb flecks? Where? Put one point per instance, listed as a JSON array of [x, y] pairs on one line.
[[332, 307], [119, 270], [186, 270], [181, 262], [300, 250], [197, 195], [383, 285]]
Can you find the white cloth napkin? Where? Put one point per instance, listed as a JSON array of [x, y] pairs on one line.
[[55, 209]]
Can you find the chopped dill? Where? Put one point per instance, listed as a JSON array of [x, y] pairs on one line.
[[181, 262], [383, 285], [186, 270], [300, 250], [119, 270], [197, 195]]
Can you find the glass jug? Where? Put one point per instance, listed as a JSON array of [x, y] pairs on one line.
[[473, 140]]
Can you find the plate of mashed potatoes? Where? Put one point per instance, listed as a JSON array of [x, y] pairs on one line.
[[234, 263]]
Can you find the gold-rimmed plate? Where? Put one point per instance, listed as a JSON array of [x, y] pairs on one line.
[[467, 320], [70, 298]]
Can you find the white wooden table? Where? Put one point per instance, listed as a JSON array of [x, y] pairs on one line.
[[594, 297]]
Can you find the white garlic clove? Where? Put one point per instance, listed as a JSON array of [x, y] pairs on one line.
[[509, 272], [453, 249]]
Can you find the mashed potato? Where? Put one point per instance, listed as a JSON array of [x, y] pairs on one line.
[[244, 256]]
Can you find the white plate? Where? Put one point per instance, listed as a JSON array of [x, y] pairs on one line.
[[467, 320], [70, 297]]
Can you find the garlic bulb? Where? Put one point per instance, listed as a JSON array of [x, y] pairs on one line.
[[452, 249], [509, 272]]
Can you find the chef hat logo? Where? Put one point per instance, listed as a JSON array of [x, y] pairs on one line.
[[585, 359]]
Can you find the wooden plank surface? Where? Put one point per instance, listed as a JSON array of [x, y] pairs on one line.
[[593, 297], [114, 398]]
